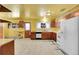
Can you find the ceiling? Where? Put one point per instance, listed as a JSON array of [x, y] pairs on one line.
[[34, 10]]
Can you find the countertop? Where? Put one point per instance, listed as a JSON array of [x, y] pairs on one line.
[[5, 41]]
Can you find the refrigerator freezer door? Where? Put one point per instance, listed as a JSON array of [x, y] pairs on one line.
[[71, 36]]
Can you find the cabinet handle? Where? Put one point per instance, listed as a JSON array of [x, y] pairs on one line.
[[59, 37]]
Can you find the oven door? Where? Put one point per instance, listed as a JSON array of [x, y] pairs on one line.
[[38, 35]]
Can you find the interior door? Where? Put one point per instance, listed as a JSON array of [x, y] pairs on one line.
[[27, 29]]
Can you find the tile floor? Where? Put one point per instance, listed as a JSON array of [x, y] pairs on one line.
[[36, 47]]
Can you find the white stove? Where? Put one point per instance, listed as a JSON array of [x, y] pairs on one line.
[[38, 35]]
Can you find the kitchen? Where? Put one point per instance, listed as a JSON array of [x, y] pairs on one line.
[[20, 25]]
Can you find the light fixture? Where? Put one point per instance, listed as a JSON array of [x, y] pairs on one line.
[[42, 12], [44, 19], [16, 11], [15, 14], [63, 9], [27, 13], [48, 13], [60, 20]]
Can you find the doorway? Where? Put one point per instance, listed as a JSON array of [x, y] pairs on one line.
[[27, 28]]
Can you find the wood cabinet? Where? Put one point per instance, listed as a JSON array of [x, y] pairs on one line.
[[1, 30], [21, 24], [0, 50], [45, 36], [49, 36], [53, 23], [7, 49], [27, 34], [33, 35], [4, 9], [53, 36]]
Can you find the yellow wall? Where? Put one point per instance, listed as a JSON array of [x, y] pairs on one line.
[[34, 23], [10, 32]]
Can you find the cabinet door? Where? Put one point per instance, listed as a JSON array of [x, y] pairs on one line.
[[33, 36], [44, 35], [53, 23], [0, 50], [27, 34], [21, 24], [8, 49], [54, 36]]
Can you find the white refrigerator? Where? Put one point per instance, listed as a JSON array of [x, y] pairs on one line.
[[67, 37]]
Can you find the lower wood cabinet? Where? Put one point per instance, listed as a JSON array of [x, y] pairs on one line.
[[53, 36], [7, 49], [0, 50], [27, 34], [33, 35], [45, 36], [49, 36]]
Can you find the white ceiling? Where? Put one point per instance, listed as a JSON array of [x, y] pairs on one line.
[[33, 10]]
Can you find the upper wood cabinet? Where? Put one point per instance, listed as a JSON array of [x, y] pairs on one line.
[[21, 24], [1, 30], [73, 14], [53, 23], [4, 21], [4, 9]]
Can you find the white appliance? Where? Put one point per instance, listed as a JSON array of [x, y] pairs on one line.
[[38, 35], [67, 37]]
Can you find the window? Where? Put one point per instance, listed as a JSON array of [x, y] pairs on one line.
[[13, 25], [43, 25], [27, 26]]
